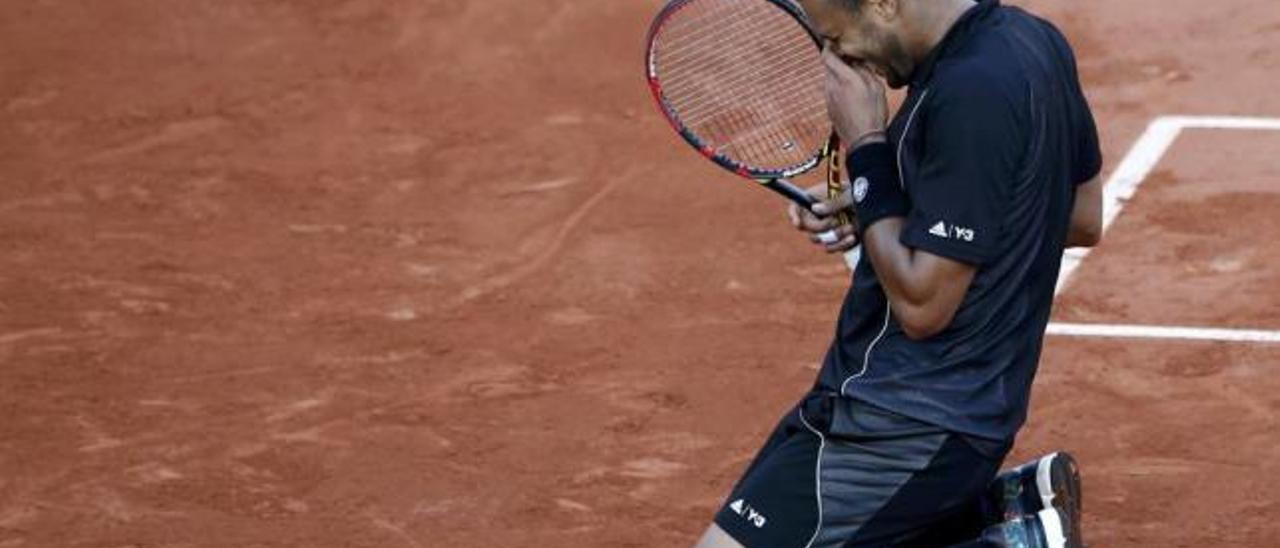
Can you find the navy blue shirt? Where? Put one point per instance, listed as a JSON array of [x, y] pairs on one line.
[[991, 142]]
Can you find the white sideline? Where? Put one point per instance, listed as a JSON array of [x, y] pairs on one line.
[[1119, 188], [1141, 159], [1163, 332]]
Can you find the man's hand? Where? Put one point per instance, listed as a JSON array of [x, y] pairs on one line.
[[859, 112], [856, 101], [823, 219]]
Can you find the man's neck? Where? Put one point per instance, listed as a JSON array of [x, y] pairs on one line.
[[936, 19]]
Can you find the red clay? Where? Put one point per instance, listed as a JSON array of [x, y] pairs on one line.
[[407, 273]]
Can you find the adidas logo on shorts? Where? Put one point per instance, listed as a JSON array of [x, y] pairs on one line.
[[745, 510]]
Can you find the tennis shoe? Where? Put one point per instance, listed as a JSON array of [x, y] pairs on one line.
[[1052, 481], [1049, 528]]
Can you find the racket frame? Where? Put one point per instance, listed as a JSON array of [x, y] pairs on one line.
[[777, 180]]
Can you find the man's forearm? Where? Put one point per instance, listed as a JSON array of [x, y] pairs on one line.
[[894, 262], [908, 285], [924, 289]]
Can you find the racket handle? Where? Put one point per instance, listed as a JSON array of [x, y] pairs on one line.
[[835, 164], [802, 198], [791, 192]]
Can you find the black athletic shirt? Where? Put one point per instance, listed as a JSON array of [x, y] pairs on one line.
[[991, 141]]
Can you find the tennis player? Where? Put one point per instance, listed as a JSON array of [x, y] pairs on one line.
[[964, 204]]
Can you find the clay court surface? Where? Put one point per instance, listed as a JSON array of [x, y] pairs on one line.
[[433, 273]]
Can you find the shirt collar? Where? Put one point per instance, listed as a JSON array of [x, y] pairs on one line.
[[958, 34]]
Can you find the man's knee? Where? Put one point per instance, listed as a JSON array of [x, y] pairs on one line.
[[715, 537]]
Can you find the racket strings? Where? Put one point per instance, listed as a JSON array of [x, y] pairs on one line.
[[738, 127], [698, 112], [746, 79], [697, 107]]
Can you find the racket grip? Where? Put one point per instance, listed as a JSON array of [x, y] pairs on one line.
[[792, 192], [799, 196]]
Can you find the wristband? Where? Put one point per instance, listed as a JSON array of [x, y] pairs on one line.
[[877, 192]]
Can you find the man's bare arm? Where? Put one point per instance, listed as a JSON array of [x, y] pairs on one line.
[[924, 289], [1086, 215]]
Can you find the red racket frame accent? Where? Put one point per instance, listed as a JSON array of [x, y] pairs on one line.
[[705, 149]]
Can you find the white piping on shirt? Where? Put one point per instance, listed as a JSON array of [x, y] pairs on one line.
[[888, 307]]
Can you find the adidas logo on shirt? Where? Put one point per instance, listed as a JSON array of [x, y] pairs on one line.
[[954, 232], [939, 230]]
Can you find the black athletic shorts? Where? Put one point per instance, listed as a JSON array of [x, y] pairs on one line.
[[836, 472]]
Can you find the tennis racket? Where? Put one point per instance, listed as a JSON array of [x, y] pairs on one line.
[[742, 81]]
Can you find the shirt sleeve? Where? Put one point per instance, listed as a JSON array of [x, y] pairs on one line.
[[972, 146], [1088, 158]]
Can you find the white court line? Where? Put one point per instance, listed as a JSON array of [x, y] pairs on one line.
[[1163, 332], [1119, 188], [1141, 159]]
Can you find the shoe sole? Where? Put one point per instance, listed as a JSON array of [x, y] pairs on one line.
[[1058, 483]]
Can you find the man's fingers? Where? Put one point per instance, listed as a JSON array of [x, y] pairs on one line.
[[813, 223], [847, 238], [838, 240], [830, 59], [820, 223], [865, 74], [841, 202], [841, 70], [843, 244], [838, 232]]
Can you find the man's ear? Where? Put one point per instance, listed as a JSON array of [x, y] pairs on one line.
[[887, 10]]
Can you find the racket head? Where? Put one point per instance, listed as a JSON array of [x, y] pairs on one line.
[[742, 81]]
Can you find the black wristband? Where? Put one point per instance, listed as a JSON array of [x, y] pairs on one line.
[[877, 192]]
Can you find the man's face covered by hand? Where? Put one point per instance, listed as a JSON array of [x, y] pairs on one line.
[[867, 35]]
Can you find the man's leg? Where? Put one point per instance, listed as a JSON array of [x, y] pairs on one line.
[[1051, 481], [1015, 505], [715, 537], [1024, 532], [776, 501], [1049, 528], [938, 505], [811, 489], [888, 482]]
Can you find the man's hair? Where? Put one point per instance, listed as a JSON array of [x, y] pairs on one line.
[[851, 5]]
